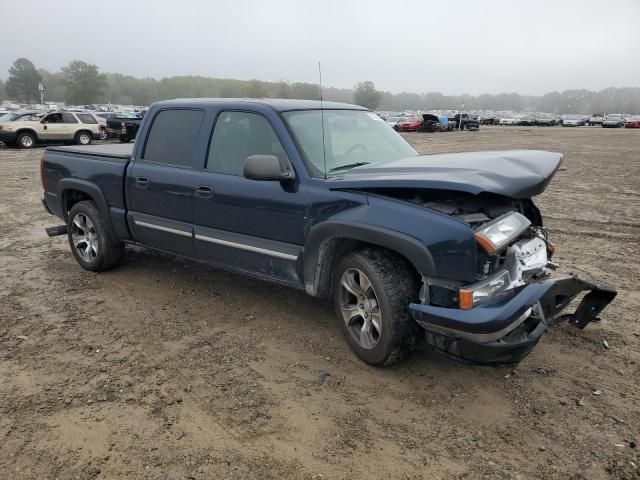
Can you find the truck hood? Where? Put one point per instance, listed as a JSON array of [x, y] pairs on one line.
[[516, 174]]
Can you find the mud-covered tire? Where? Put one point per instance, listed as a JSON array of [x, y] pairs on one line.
[[395, 285], [109, 250]]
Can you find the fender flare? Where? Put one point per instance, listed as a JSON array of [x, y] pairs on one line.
[[84, 186], [317, 264]]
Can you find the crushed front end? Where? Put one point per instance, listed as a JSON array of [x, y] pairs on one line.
[[501, 317]]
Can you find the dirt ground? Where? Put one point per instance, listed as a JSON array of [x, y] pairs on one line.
[[167, 369]]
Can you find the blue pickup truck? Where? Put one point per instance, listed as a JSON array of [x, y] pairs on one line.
[[327, 198]]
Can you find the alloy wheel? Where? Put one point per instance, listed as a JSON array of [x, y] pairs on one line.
[[84, 237], [360, 308]]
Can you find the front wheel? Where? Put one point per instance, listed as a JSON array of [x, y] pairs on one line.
[[91, 239], [372, 290]]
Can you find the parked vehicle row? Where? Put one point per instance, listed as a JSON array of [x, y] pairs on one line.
[[427, 122]]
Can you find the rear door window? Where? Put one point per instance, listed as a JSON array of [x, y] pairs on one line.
[[69, 118], [87, 118], [172, 137]]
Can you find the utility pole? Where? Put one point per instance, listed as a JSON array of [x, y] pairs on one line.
[[41, 88]]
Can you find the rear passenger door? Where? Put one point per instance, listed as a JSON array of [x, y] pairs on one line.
[[161, 182], [253, 226]]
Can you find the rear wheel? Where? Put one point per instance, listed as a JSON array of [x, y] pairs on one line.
[[83, 138], [92, 241], [372, 289], [26, 140]]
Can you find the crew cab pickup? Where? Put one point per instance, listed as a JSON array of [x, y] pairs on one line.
[[125, 127], [329, 199]]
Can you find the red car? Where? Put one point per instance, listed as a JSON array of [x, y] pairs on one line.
[[409, 123], [632, 122]]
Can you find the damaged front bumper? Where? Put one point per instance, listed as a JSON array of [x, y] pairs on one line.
[[506, 331]]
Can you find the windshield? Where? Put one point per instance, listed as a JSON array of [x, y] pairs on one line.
[[5, 117], [614, 116], [351, 138], [393, 119]]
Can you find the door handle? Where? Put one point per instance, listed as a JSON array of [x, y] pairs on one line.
[[204, 191], [142, 182]]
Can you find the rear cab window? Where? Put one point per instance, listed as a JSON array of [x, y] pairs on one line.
[[172, 137]]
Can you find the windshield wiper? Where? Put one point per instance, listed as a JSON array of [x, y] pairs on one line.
[[349, 165]]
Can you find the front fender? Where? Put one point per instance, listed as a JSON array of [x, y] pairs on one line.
[[316, 256]]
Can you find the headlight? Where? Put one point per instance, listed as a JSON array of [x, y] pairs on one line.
[[472, 295], [500, 232]]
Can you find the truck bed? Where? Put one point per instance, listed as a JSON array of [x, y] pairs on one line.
[[112, 151]]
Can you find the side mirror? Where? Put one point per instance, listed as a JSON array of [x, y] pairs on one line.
[[267, 167]]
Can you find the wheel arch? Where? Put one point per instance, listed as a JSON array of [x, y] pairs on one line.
[[329, 241], [73, 190], [27, 130], [83, 130]]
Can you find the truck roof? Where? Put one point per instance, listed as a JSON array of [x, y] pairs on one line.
[[278, 104]]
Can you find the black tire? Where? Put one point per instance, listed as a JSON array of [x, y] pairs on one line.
[[395, 286], [109, 249], [26, 140], [83, 138], [103, 135], [124, 139]]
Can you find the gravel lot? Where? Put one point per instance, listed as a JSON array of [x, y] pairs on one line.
[[167, 369]]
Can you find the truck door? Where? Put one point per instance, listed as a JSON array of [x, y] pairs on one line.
[[161, 182], [252, 226]]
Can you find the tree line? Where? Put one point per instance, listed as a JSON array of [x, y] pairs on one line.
[[80, 83]]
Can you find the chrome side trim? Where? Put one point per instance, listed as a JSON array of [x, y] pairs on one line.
[[249, 248], [164, 229], [479, 337]]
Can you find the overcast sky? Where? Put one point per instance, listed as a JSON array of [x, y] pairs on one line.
[[461, 46]]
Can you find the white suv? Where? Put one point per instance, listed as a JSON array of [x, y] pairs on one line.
[[76, 127]]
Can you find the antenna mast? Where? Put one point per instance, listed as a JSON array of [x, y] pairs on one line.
[[324, 150]]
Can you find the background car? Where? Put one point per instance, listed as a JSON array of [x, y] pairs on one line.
[[508, 121], [613, 120], [632, 122], [543, 120], [409, 123], [62, 126], [526, 120], [102, 118], [489, 120], [393, 121], [430, 123], [466, 120], [596, 119], [573, 121]]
